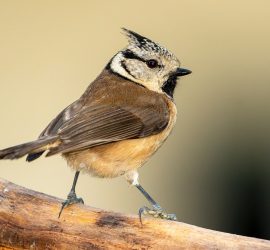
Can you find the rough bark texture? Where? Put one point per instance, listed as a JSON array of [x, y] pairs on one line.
[[29, 220]]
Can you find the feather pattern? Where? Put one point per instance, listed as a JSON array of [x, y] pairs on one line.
[[108, 113]]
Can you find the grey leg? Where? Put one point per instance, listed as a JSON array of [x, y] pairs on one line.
[[133, 178], [72, 197], [157, 210]]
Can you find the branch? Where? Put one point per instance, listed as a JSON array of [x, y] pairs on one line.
[[28, 220]]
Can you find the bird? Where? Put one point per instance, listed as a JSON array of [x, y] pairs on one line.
[[118, 123]]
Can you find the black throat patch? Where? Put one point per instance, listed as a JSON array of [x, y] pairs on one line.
[[169, 86]]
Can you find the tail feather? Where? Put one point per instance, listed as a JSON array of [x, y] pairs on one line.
[[34, 156], [21, 150]]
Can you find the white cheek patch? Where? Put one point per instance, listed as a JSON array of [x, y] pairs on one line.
[[137, 71], [117, 67]]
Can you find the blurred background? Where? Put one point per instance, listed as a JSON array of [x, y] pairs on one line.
[[214, 169]]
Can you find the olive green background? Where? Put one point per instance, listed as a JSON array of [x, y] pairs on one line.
[[214, 170]]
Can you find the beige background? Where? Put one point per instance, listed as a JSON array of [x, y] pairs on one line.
[[214, 169]]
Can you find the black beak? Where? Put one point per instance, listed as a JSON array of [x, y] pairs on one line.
[[182, 72]]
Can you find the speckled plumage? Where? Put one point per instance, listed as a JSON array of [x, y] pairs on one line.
[[137, 70], [144, 46]]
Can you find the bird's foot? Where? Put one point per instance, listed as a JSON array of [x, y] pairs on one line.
[[156, 212], [71, 199]]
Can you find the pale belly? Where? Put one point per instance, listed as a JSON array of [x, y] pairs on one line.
[[118, 158]]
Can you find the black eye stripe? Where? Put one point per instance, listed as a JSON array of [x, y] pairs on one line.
[[131, 55]]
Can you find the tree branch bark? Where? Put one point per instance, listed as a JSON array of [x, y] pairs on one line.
[[29, 220]]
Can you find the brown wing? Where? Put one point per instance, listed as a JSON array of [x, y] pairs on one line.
[[111, 109], [97, 125], [62, 117]]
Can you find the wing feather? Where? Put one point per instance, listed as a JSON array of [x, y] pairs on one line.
[[97, 125], [111, 109]]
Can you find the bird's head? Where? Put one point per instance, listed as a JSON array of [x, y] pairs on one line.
[[147, 63]]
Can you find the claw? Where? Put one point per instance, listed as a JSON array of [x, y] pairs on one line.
[[143, 210], [156, 212], [71, 199]]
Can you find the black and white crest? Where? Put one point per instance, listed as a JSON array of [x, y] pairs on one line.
[[145, 62], [141, 43]]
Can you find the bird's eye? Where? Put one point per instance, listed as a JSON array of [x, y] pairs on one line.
[[152, 63]]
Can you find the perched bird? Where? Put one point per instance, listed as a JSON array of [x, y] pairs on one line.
[[119, 122]]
